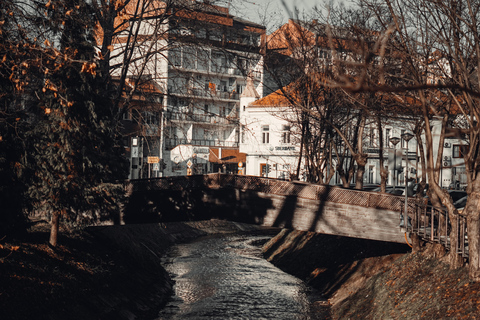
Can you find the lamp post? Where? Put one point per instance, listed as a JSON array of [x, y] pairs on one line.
[[394, 141], [407, 136]]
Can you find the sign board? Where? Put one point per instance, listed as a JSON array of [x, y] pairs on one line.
[[240, 164], [156, 167], [134, 152], [153, 159], [189, 164]]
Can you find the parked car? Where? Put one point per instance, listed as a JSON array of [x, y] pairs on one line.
[[460, 204], [399, 190], [457, 194]]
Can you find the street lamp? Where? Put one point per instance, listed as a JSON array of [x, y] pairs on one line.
[[394, 141], [407, 136]]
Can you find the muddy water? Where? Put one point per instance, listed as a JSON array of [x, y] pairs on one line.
[[225, 277]]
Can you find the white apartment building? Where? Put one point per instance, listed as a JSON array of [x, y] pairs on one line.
[[201, 71]]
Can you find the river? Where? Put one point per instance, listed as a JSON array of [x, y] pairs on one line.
[[226, 277]]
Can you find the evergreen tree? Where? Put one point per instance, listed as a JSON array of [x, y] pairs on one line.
[[13, 124], [76, 155]]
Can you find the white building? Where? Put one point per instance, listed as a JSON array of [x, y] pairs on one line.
[[200, 63], [267, 139], [272, 146]]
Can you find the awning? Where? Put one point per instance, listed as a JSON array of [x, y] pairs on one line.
[[225, 155]]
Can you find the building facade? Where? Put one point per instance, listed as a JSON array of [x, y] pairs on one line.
[[206, 55]]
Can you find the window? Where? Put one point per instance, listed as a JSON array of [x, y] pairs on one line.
[[387, 137], [203, 58], [150, 117], [285, 134], [127, 115], [201, 33], [371, 136], [223, 86], [265, 134], [459, 151], [188, 59], [176, 57]]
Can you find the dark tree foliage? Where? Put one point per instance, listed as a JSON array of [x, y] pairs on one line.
[[12, 125], [75, 150]]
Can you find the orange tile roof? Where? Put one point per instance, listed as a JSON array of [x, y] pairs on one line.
[[144, 86], [294, 93], [289, 36], [297, 34]]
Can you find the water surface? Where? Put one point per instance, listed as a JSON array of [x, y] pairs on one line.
[[226, 277]]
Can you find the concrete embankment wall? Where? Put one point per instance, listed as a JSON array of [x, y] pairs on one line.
[[337, 267]]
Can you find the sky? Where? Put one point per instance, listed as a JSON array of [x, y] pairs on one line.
[[272, 13]]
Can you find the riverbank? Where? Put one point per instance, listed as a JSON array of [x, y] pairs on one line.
[[115, 273], [102, 273], [365, 279]]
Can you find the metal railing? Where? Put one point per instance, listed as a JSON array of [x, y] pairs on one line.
[[202, 93], [201, 118], [273, 186], [172, 143], [433, 224]]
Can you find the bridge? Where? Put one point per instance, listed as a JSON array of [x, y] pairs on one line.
[[287, 204]]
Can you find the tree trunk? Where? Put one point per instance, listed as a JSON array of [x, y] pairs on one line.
[[361, 160], [54, 229], [383, 171], [416, 242], [473, 223], [456, 260]]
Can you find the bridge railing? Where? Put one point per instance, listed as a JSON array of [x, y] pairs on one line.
[[433, 224], [271, 186]]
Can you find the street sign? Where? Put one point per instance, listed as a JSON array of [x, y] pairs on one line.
[[156, 166], [189, 164], [153, 159]]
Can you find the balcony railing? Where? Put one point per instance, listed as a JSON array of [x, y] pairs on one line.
[[172, 143], [211, 94], [201, 118]]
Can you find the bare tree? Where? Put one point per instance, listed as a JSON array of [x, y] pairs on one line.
[[438, 45]]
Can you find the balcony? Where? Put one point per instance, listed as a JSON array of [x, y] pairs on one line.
[[172, 143], [201, 93], [201, 118]]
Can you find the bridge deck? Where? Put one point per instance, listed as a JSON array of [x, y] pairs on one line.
[[269, 202]]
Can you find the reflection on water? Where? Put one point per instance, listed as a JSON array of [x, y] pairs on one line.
[[225, 277]]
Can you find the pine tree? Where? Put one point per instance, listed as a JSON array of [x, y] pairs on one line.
[[76, 154]]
